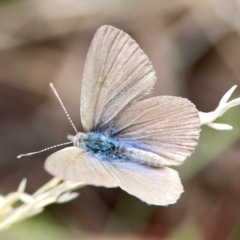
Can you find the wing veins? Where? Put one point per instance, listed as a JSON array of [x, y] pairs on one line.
[[103, 64]]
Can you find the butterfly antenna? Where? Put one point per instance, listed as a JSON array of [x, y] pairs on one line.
[[63, 107], [46, 149]]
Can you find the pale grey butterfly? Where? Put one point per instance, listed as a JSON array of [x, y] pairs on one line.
[[127, 142]]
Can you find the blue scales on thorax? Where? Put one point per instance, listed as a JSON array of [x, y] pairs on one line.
[[99, 145]]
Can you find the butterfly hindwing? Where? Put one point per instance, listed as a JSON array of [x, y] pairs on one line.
[[158, 186]]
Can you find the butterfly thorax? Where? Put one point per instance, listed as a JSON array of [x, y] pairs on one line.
[[99, 145]]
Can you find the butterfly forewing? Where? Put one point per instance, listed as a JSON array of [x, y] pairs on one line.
[[168, 126], [116, 73], [74, 164]]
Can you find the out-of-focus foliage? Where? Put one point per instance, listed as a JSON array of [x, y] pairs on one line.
[[194, 47]]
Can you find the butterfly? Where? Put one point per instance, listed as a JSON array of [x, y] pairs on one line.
[[127, 142]]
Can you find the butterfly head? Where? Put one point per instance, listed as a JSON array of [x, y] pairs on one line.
[[77, 140]]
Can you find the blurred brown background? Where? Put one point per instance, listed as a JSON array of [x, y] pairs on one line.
[[194, 47]]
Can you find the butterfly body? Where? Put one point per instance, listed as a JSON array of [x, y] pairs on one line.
[[100, 145]]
